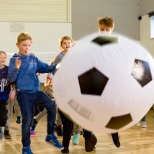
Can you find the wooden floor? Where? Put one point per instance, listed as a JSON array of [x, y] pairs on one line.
[[135, 140]]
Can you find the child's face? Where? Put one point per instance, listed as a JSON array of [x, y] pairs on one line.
[[105, 29], [24, 47], [2, 59], [66, 45]]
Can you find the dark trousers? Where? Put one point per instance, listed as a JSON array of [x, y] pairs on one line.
[[144, 118], [26, 102], [68, 128], [3, 112]]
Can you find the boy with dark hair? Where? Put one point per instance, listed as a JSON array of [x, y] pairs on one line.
[[106, 26]]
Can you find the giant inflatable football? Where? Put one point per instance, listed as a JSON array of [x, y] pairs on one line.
[[105, 83]]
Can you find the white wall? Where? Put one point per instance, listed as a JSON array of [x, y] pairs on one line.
[[35, 10], [45, 35], [146, 6], [124, 12], [145, 34]]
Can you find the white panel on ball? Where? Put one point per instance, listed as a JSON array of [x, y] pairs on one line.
[[105, 82]]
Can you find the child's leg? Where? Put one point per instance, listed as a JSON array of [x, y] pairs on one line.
[[10, 111], [3, 116], [143, 122], [76, 133], [44, 100], [7, 125], [76, 128], [3, 113], [59, 127], [58, 118], [26, 103], [41, 115], [47, 103], [17, 109], [1, 133], [49, 93], [144, 118], [36, 119], [67, 131]]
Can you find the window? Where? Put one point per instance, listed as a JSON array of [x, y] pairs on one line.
[[151, 15]]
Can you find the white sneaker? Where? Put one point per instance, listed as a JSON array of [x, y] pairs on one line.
[[143, 123]]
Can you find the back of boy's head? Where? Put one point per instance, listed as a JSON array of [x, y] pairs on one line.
[[64, 38], [23, 37], [106, 21]]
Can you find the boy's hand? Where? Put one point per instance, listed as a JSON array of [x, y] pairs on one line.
[[58, 66], [17, 63], [12, 95]]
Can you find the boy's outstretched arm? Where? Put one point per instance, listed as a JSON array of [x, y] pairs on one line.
[[45, 68]]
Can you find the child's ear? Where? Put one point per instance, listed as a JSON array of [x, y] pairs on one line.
[[17, 44]]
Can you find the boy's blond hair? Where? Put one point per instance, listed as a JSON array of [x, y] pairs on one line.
[[106, 21], [23, 37]]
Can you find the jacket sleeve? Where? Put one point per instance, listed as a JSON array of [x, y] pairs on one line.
[[44, 67], [12, 72]]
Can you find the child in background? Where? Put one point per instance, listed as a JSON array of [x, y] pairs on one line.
[[106, 26], [5, 94], [23, 69], [90, 139]]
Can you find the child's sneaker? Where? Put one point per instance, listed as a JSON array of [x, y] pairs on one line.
[[65, 150], [115, 138], [7, 134], [75, 138], [32, 133], [18, 121], [52, 140], [144, 125], [34, 123], [1, 133], [26, 150], [90, 143]]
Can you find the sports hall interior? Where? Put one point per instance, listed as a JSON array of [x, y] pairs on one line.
[[49, 20]]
